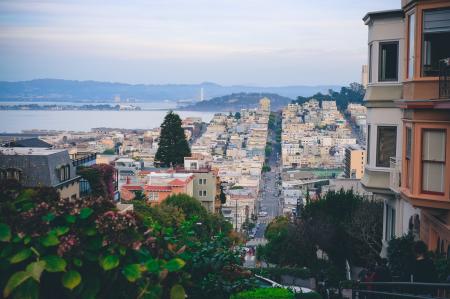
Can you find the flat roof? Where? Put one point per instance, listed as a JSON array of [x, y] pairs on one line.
[[29, 151], [383, 14]]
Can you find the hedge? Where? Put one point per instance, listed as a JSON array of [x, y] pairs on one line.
[[269, 293]]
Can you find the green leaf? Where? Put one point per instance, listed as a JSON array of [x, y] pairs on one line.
[[177, 292], [26, 240], [132, 272], [174, 264], [49, 217], [77, 262], [54, 263], [61, 230], [14, 281], [7, 251], [28, 290], [85, 213], [49, 240], [71, 279], [71, 219], [5, 232], [20, 256], [90, 231], [94, 243], [35, 269], [152, 266], [109, 262]]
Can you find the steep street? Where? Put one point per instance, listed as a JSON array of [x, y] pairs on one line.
[[269, 205]]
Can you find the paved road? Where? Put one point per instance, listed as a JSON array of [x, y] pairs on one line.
[[270, 190]]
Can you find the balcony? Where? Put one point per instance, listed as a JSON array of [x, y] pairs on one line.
[[86, 160], [395, 174], [444, 78]]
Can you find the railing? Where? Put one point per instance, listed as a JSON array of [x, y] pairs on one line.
[[385, 290], [444, 78], [85, 160], [395, 174]]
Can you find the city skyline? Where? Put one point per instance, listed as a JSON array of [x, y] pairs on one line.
[[233, 42]]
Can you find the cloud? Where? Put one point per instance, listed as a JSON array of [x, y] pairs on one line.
[[221, 36]]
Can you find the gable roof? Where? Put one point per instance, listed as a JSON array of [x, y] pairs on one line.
[[177, 182], [158, 188]]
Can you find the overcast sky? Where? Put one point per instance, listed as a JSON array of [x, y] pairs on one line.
[[258, 42]]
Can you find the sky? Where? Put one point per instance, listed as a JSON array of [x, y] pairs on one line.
[[252, 42]]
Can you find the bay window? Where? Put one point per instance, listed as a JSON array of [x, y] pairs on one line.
[[411, 45], [433, 161], [436, 37], [386, 145], [388, 62]]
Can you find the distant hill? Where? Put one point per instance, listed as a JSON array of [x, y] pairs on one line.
[[237, 101], [69, 90]]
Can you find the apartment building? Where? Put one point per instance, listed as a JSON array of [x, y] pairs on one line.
[[408, 120], [161, 185], [355, 161], [425, 180], [386, 47]]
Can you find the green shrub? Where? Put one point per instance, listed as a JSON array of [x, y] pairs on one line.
[[311, 295], [269, 293]]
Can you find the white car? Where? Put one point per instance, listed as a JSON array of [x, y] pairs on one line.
[[264, 282], [263, 214]]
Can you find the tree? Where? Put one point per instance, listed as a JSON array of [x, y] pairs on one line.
[[237, 115], [109, 151], [287, 244], [345, 226], [401, 256], [354, 93], [172, 146]]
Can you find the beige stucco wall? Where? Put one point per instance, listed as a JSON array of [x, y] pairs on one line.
[[210, 187], [68, 191]]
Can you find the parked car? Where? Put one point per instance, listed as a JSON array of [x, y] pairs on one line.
[[263, 214], [264, 282]]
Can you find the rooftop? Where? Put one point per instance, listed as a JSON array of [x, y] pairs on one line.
[[29, 151], [393, 13]]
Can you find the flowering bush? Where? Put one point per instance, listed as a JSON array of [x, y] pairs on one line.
[[85, 248], [100, 178]]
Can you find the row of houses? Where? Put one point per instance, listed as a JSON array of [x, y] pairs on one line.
[[408, 120]]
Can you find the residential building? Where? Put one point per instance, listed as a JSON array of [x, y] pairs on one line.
[[386, 47], [40, 167], [408, 101], [355, 160], [264, 105], [126, 167], [425, 166], [160, 185], [364, 75]]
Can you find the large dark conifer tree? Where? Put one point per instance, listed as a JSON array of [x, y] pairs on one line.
[[173, 146]]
